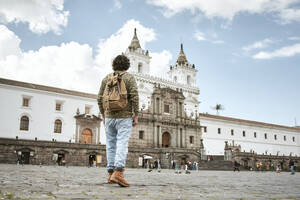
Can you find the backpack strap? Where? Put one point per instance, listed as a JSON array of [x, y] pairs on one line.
[[120, 74]]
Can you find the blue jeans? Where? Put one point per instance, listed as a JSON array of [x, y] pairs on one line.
[[117, 135]]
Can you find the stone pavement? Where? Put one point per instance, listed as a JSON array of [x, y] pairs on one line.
[[57, 182]]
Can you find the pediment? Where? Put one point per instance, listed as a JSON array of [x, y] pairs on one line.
[[88, 117]]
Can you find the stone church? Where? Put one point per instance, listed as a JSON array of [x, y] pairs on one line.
[[168, 119]]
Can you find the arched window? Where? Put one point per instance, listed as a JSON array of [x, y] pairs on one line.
[[188, 80], [140, 68], [57, 126], [24, 125]]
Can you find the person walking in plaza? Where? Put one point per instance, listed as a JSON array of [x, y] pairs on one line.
[[292, 167], [118, 102], [278, 168], [236, 166]]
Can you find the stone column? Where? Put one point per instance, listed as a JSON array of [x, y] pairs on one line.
[[176, 135], [154, 136], [159, 135], [184, 137], [94, 135], [197, 139], [97, 137], [180, 142], [98, 141], [77, 133]]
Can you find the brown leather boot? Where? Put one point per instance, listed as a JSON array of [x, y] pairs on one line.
[[109, 177], [118, 177]]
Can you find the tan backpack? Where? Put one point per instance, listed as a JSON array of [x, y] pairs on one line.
[[115, 93]]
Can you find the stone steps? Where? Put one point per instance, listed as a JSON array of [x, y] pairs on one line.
[[215, 165]]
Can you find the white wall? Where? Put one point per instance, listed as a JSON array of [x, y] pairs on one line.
[[41, 113], [214, 143]]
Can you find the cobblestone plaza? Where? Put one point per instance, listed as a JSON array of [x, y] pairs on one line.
[[58, 182]]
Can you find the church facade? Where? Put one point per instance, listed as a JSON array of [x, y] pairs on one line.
[[49, 125]]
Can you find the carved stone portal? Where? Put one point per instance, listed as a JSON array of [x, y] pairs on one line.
[[87, 129]]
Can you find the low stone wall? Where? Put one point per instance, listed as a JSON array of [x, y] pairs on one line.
[[260, 162], [42, 152]]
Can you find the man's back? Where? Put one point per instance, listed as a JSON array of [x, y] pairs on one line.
[[133, 98]]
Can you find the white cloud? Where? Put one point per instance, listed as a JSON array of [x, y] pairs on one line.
[[228, 9], [288, 15], [287, 51], [258, 45], [69, 65], [160, 62], [294, 38], [117, 4], [9, 43], [199, 36], [202, 37], [42, 16], [218, 42]]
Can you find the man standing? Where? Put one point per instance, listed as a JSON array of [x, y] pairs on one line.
[[118, 103], [292, 167]]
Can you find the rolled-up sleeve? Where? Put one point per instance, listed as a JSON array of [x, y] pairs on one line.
[[133, 95], [100, 95]]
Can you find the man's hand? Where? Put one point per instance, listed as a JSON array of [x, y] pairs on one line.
[[135, 121]]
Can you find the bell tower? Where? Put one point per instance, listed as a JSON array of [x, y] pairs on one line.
[[139, 58], [183, 72]]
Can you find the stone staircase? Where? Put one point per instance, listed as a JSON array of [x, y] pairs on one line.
[[216, 165]]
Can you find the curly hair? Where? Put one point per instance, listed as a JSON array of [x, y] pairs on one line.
[[121, 63]]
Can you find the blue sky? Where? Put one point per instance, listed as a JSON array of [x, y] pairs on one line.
[[247, 56]]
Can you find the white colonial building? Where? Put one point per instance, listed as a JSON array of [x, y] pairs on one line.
[[31, 111], [262, 138]]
